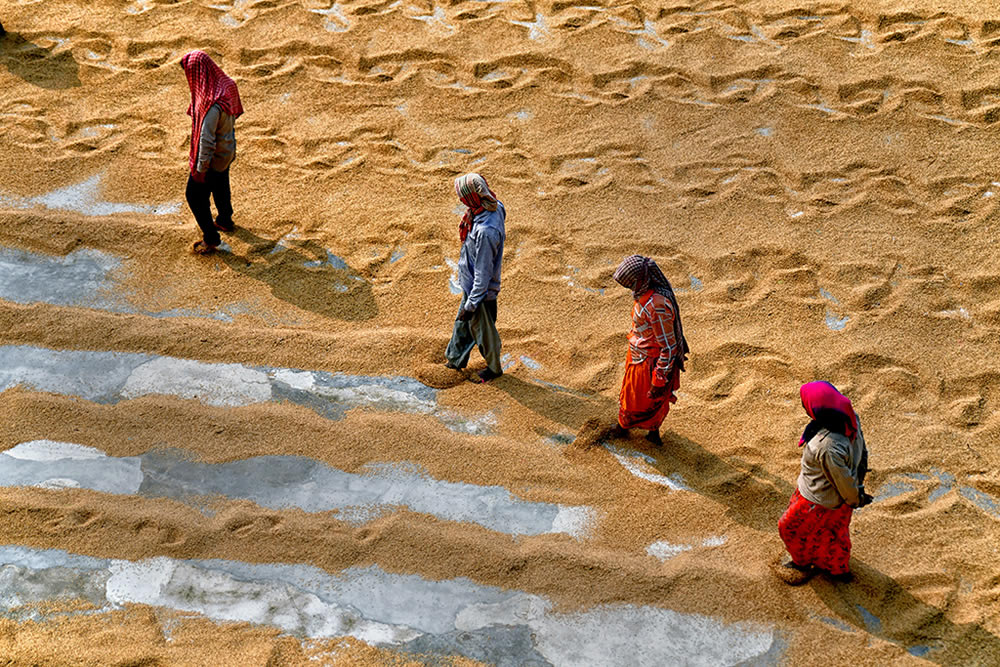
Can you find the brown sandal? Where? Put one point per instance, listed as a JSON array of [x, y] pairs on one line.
[[202, 248]]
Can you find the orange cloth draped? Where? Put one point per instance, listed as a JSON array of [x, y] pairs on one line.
[[635, 408]]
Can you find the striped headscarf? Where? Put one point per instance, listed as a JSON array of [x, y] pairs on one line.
[[473, 191], [209, 85], [641, 274]]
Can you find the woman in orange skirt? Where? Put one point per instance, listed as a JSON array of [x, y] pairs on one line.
[[656, 348]]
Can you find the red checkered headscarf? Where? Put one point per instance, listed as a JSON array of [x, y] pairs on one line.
[[209, 85], [473, 191]]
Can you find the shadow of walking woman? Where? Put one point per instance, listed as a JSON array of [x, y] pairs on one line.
[[38, 65], [306, 275], [871, 602]]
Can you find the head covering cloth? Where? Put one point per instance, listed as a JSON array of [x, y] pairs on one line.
[[473, 191], [641, 274], [209, 85], [828, 409]]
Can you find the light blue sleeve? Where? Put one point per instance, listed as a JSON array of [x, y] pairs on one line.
[[487, 242]]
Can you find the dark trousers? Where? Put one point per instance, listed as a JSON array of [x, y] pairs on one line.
[[481, 332], [216, 186]]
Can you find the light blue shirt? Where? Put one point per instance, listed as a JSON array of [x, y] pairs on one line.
[[481, 257]]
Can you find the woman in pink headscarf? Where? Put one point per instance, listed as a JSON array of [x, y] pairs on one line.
[[816, 526], [215, 106]]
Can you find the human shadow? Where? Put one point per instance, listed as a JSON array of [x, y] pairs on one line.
[[751, 495], [563, 405], [878, 604], [873, 602], [38, 65], [306, 275]]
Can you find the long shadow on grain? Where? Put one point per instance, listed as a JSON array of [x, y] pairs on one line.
[[303, 274], [563, 405], [873, 602], [39, 66]]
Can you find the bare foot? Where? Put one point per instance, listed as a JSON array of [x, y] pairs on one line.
[[654, 437], [202, 248], [486, 375], [792, 573], [224, 225]]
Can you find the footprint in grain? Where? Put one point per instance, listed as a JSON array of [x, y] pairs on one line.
[[244, 525]]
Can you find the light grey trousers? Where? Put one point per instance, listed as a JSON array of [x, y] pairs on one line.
[[480, 331]]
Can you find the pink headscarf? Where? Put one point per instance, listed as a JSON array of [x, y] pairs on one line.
[[821, 396]]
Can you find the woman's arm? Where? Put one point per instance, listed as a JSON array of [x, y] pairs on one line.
[[487, 242], [206, 143], [838, 470], [661, 319]]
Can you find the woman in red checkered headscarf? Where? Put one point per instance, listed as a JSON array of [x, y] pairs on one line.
[[215, 106]]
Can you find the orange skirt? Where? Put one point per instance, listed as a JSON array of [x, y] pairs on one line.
[[635, 408]]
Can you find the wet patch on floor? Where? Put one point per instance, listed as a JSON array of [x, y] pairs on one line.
[[85, 198], [403, 612], [283, 482], [109, 377]]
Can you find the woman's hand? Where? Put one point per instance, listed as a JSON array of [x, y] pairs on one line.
[[199, 176], [656, 392]]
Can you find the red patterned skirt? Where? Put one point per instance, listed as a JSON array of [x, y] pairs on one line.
[[816, 535]]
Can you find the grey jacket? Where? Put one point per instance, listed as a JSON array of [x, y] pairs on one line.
[[831, 469], [481, 257], [217, 145]]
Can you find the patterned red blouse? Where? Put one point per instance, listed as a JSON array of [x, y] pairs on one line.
[[652, 334]]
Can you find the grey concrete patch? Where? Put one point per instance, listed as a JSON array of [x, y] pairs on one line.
[[983, 501], [500, 645], [108, 377], [77, 279], [86, 278], [834, 321], [282, 482], [641, 465], [893, 489], [453, 285], [85, 198], [402, 612], [872, 622], [946, 482], [835, 622]]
